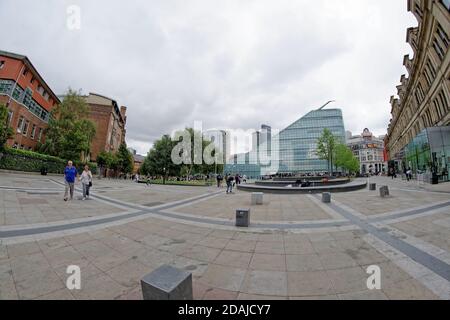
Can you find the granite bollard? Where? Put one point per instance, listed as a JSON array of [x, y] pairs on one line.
[[167, 283], [257, 198], [326, 197], [384, 191]]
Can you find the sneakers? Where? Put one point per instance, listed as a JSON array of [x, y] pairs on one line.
[[84, 198]]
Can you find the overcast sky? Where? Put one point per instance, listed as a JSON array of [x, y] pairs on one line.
[[231, 64]]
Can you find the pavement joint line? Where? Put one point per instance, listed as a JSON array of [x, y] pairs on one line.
[[432, 263], [161, 212]]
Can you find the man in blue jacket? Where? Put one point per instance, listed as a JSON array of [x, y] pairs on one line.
[[70, 174]]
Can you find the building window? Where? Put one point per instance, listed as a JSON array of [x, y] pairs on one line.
[[25, 127], [442, 35], [20, 124], [17, 94], [6, 86], [439, 51], [40, 135], [40, 89], [25, 72], [2, 64], [10, 116], [446, 4], [27, 98], [33, 132]]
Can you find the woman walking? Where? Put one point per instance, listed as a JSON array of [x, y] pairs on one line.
[[86, 181]]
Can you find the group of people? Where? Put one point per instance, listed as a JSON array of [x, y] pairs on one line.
[[71, 175], [230, 180]]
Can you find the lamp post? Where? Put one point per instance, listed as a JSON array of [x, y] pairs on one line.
[[164, 175]]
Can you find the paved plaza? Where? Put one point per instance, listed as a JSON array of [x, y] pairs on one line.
[[296, 248]]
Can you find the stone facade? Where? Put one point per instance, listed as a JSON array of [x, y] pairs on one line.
[[424, 96], [369, 150]]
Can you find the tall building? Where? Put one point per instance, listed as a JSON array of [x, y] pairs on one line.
[[219, 138], [369, 150], [417, 137], [110, 120], [293, 150], [29, 100]]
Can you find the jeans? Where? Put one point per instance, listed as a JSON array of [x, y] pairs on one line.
[[85, 190], [229, 187], [69, 187]]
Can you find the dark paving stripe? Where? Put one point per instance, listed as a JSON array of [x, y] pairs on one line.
[[436, 265], [410, 212]]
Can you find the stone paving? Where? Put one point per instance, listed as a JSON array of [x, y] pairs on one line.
[[296, 248]]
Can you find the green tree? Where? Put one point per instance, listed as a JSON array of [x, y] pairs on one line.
[[345, 159], [102, 161], [69, 134], [159, 161], [125, 159], [326, 145], [5, 131]]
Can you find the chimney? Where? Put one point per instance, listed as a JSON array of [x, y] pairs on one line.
[[123, 111]]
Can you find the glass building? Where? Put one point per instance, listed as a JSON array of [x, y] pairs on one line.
[[293, 149], [429, 153]]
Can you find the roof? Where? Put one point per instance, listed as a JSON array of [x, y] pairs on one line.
[[138, 158], [29, 65]]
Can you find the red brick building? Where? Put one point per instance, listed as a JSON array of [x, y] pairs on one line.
[[110, 121], [29, 100]]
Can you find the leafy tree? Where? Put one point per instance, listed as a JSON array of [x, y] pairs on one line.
[[102, 160], [69, 133], [326, 145], [6, 132], [345, 159], [159, 161], [125, 159]]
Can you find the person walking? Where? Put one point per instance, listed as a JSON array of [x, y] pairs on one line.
[[70, 174], [230, 181], [86, 181]]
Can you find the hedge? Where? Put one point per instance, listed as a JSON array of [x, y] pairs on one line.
[[29, 161]]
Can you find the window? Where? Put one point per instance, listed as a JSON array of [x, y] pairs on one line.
[[40, 134], [20, 124], [40, 89], [2, 64], [6, 86], [33, 131], [10, 116], [442, 35], [25, 127], [439, 51], [27, 97], [446, 4], [25, 72]]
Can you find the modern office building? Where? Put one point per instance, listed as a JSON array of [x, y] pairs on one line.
[[423, 96], [29, 100], [369, 150], [292, 150], [219, 138]]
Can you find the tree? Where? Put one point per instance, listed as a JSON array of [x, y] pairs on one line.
[[125, 159], [102, 161], [345, 159], [326, 145], [159, 161], [69, 133], [5, 131]]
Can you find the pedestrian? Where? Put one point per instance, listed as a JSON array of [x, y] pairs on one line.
[[219, 180], [70, 174], [230, 181], [409, 174], [86, 181]]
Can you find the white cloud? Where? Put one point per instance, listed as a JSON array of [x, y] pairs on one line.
[[230, 64]]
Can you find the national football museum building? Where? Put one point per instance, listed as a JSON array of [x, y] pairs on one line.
[[291, 151]]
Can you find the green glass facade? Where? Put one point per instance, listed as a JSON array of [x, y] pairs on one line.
[[295, 149], [429, 152]]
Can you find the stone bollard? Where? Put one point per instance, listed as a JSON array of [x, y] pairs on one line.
[[167, 283], [257, 198], [326, 197], [242, 218], [372, 186], [384, 191]]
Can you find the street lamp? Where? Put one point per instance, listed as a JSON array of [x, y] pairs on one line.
[[164, 175]]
